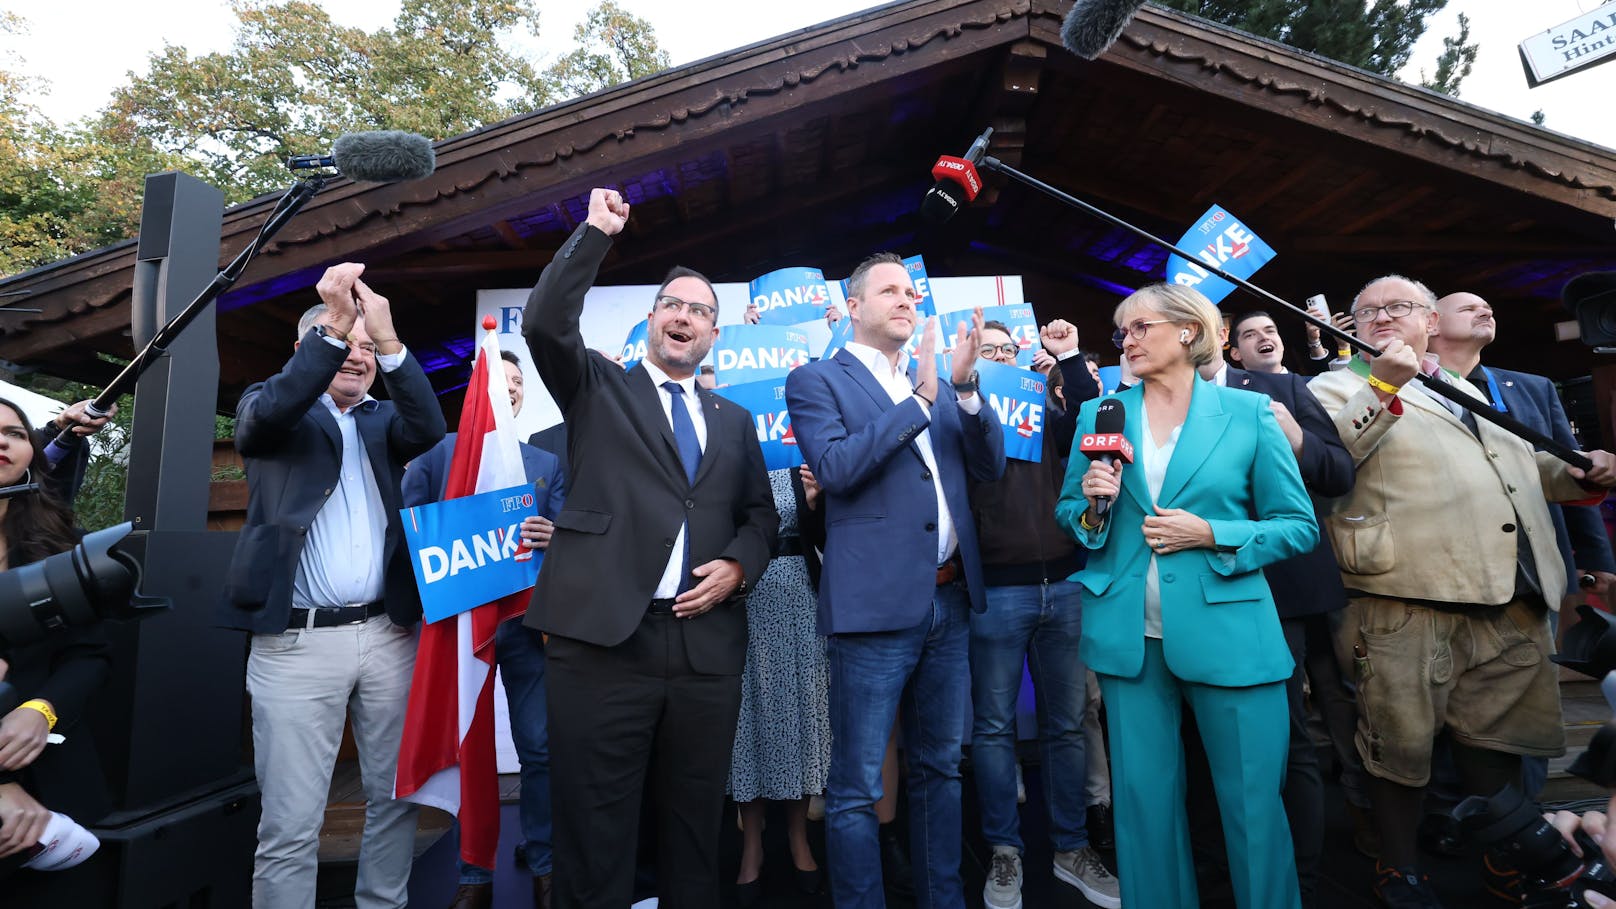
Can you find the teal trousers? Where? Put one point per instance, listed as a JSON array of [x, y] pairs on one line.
[[1246, 733]]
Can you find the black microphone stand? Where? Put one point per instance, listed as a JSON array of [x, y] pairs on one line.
[[295, 198], [1433, 383]]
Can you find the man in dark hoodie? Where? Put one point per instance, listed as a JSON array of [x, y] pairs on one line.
[[1033, 615]]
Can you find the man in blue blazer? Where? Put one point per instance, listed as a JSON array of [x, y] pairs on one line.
[[520, 652], [322, 578], [892, 448]]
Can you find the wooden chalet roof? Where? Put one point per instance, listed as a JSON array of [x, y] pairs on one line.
[[815, 148]]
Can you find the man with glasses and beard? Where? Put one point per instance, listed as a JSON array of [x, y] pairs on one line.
[[668, 522], [1448, 554]]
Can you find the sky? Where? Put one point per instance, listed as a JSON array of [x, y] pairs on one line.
[[83, 65]]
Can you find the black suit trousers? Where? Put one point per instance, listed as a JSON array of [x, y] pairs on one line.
[[617, 713]]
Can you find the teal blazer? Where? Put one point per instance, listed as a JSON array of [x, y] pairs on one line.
[[1219, 625]]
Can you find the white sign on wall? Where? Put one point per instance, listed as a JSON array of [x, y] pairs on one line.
[[1564, 49]]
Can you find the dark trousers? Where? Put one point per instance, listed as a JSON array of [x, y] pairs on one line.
[[611, 709], [1311, 643]]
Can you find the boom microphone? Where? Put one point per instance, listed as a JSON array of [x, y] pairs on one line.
[[1092, 26], [957, 181], [1107, 444], [382, 156]]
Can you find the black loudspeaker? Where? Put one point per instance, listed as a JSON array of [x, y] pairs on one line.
[[169, 726], [1591, 298]]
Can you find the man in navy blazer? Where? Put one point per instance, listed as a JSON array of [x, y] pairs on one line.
[[322, 578], [520, 652], [892, 448]]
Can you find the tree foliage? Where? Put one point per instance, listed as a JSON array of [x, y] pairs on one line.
[[1458, 56], [613, 46], [1375, 35], [291, 82]]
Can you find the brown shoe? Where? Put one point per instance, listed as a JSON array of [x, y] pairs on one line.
[[541, 891], [473, 896]]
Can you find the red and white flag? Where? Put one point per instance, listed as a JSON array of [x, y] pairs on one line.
[[446, 758]]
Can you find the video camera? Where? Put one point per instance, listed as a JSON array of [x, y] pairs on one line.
[[1512, 826], [99, 578]]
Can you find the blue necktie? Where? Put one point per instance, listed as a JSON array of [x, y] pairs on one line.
[[684, 432], [684, 438]]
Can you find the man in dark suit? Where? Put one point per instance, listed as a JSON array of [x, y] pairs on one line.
[[322, 579], [520, 652], [669, 520], [892, 448], [1307, 588]]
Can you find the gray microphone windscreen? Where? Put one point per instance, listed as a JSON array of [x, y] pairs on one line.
[[1092, 26], [384, 156]]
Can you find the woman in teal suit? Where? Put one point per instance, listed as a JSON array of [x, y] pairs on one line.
[[1176, 609]]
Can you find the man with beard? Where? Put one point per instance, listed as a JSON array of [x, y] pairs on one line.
[[668, 522], [892, 444]]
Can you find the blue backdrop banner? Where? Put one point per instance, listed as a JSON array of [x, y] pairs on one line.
[[1016, 396], [1220, 239], [766, 401], [468, 551], [634, 345], [751, 353]]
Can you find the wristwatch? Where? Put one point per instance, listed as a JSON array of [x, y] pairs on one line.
[[969, 386]]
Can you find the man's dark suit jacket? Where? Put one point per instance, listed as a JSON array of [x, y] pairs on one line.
[[293, 451], [1309, 583], [627, 493], [1579, 529]]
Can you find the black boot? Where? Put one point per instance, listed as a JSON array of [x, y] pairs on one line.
[[896, 872]]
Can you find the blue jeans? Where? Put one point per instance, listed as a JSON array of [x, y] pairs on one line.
[[520, 653], [918, 673], [1040, 624]]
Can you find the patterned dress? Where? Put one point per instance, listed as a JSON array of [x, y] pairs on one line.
[[782, 740]]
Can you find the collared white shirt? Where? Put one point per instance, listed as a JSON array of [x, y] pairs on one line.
[[1221, 378], [342, 561], [1154, 459], [668, 587], [894, 380]]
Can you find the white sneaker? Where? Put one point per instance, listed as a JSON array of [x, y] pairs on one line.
[[1084, 870], [1003, 888]]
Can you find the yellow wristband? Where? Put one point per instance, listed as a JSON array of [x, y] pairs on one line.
[[1343, 352], [44, 708], [1083, 521], [1379, 385]]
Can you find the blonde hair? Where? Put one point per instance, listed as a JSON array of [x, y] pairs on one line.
[[1178, 303]]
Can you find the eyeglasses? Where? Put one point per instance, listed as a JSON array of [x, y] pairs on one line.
[[1008, 349], [1137, 328], [670, 304], [1396, 309]]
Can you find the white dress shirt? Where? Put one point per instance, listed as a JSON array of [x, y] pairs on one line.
[[894, 380], [668, 587], [1154, 460], [342, 559]]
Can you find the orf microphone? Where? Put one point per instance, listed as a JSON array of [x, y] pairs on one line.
[[384, 156], [957, 181], [1107, 444], [1092, 26]]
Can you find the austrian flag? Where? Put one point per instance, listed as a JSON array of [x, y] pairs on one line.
[[446, 757]]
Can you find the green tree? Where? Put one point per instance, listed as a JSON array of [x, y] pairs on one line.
[[1375, 35], [291, 83], [613, 46], [1458, 56]]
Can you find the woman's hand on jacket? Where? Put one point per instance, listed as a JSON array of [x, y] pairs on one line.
[[1174, 529]]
